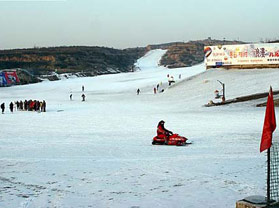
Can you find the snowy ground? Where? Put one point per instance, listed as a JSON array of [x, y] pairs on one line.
[[98, 153]]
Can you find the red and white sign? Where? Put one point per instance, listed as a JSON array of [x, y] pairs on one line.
[[246, 54]]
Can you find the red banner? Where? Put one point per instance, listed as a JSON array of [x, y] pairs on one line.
[[269, 123]]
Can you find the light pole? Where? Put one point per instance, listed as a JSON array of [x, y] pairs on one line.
[[223, 86]]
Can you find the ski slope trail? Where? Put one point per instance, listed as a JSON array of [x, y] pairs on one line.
[[98, 153]]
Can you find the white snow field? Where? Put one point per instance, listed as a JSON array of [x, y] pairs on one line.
[[98, 153]]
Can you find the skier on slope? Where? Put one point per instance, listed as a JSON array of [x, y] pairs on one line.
[[83, 97], [3, 107], [44, 106], [162, 132], [12, 107]]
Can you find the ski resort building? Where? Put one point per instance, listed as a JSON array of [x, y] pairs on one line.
[[245, 56]]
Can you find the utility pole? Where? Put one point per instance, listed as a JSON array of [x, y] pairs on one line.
[[223, 88]]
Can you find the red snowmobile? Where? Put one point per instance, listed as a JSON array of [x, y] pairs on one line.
[[173, 139]]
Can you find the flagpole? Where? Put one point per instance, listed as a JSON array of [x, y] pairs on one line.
[[266, 142], [268, 176]]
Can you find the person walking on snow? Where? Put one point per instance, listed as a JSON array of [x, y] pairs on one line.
[[83, 97], [44, 106], [3, 107], [138, 91], [82, 88], [154, 90], [71, 95], [11, 107]]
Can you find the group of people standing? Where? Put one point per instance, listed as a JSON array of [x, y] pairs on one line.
[[30, 105], [155, 89], [82, 96], [158, 87]]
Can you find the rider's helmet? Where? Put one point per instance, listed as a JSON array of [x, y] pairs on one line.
[[161, 122]]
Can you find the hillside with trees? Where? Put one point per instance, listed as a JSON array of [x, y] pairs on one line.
[[92, 61]]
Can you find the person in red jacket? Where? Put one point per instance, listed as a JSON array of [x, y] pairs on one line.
[[162, 132]]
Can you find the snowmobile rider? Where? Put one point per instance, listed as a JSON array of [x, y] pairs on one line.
[[162, 132]]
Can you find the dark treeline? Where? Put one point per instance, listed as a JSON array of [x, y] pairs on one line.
[[91, 60]]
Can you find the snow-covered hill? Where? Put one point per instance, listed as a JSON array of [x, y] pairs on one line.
[[98, 153]]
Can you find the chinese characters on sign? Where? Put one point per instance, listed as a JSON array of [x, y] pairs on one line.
[[246, 54]]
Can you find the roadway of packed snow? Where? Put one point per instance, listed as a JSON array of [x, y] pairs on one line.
[[98, 153]]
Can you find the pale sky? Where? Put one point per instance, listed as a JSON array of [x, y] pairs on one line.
[[132, 23]]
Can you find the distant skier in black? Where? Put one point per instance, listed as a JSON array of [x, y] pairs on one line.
[[44, 106], [21, 105], [17, 105], [83, 97], [82, 88], [71, 96], [3, 107], [138, 91], [12, 107], [25, 105]]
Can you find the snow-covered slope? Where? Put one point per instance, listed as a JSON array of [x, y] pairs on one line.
[[151, 60], [98, 153]]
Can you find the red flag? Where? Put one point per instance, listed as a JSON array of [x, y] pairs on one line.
[[269, 123]]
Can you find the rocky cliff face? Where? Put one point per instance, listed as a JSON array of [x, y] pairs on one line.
[[188, 54]]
